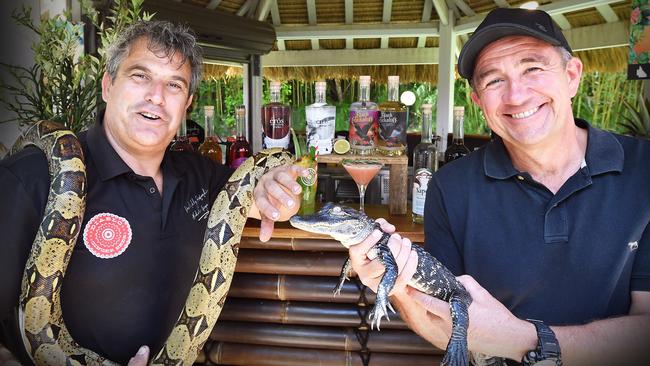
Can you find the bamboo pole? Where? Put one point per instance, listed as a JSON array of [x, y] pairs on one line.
[[293, 244], [223, 353], [315, 337], [290, 263], [295, 288], [299, 312]]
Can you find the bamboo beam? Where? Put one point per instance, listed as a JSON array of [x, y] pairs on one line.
[[326, 245], [291, 263], [349, 11], [608, 13], [352, 57], [275, 14], [213, 4], [314, 337], [224, 353], [299, 313], [327, 31], [295, 288]]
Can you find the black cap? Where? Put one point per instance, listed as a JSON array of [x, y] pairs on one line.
[[503, 22]]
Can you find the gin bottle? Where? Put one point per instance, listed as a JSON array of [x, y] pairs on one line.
[[457, 149], [363, 121], [240, 150], [425, 162], [321, 121], [276, 120], [392, 122]]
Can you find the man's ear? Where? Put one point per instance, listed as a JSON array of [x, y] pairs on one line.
[[106, 85], [574, 73], [189, 101], [475, 98]]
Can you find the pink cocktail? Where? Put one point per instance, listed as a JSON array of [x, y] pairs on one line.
[[362, 171]]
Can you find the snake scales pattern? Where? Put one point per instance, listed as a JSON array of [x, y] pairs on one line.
[[45, 335]]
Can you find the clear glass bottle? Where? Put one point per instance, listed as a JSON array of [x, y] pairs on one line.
[[182, 142], [363, 121], [321, 121], [425, 163], [457, 149], [276, 120], [211, 146], [392, 122], [240, 150]]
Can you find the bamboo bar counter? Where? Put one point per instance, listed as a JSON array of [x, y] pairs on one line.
[[281, 309]]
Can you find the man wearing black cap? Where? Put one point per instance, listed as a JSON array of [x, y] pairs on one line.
[[548, 225]]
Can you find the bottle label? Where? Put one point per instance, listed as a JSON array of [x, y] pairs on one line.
[[392, 128], [268, 142], [310, 179], [320, 129], [237, 162], [420, 185], [363, 128], [276, 120]]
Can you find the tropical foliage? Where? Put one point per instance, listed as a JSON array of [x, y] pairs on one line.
[[63, 85], [606, 100]]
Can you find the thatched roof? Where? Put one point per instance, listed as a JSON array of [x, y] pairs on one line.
[[317, 27]]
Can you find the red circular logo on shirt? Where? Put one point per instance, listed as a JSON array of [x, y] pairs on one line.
[[107, 235]]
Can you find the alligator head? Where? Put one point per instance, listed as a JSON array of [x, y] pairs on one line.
[[343, 223]]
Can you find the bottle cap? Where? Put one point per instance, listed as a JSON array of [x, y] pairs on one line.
[[321, 85], [393, 80], [208, 110], [426, 108], [459, 109], [275, 86], [240, 111], [364, 80]]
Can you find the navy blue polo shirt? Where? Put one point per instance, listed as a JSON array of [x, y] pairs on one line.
[[113, 305], [565, 258]]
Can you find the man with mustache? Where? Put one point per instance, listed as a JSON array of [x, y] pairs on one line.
[[548, 225], [147, 207]]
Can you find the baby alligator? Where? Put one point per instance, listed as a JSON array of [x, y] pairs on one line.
[[351, 227]]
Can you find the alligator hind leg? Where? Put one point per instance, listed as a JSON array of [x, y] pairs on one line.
[[343, 276], [457, 353]]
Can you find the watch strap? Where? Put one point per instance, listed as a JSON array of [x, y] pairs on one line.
[[548, 348]]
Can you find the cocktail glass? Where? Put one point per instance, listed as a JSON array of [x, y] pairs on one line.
[[362, 171]]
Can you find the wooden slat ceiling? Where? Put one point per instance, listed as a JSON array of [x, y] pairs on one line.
[[393, 25]]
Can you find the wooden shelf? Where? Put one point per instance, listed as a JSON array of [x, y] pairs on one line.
[[398, 167]]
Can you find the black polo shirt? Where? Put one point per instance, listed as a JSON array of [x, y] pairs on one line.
[[565, 258], [137, 253]]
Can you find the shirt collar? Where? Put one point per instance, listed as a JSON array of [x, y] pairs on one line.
[[604, 154], [109, 164]]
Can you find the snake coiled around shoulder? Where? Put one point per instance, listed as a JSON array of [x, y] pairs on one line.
[[43, 329]]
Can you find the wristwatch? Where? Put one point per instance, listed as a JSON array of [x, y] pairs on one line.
[[547, 352]]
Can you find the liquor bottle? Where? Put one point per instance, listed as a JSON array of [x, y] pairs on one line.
[[240, 150], [321, 121], [425, 163], [182, 142], [392, 122], [363, 121], [210, 146], [276, 120], [457, 149]]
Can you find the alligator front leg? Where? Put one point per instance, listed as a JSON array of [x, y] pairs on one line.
[[347, 266], [382, 303]]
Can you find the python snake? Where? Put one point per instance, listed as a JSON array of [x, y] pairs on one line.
[[43, 329]]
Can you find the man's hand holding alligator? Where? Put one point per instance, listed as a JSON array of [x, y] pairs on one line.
[[370, 270], [493, 329]]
